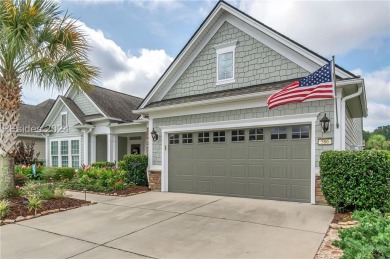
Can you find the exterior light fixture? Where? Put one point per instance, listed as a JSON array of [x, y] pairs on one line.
[[154, 135], [325, 123]]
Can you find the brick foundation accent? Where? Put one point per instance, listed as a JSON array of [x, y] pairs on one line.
[[154, 178], [320, 199]]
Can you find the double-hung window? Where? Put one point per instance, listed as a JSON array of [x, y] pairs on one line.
[[225, 62], [65, 153]]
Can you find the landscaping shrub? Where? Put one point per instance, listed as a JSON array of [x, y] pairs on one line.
[[58, 173], [4, 208], [370, 239], [356, 180], [136, 167], [27, 170], [103, 164], [98, 179]]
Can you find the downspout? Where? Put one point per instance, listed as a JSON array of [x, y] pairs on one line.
[[343, 101]]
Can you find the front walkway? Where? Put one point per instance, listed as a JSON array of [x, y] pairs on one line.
[[171, 225]]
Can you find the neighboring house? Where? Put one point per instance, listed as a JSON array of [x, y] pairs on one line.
[[216, 134], [88, 126], [31, 117]]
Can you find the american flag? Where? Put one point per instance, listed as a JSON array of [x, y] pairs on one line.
[[316, 85]]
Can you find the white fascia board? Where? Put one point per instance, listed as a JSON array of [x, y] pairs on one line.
[[266, 121], [104, 118], [87, 126], [139, 128], [204, 102]]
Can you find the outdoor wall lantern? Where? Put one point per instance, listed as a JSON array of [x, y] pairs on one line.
[[325, 123], [154, 135]]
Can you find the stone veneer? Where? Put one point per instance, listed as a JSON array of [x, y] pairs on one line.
[[154, 179], [320, 199]]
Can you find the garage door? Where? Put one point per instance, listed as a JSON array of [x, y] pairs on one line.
[[265, 163]]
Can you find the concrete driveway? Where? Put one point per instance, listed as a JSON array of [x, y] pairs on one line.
[[171, 225]]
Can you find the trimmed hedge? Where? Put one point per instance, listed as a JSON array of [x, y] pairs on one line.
[[135, 174], [103, 164], [58, 173], [356, 180]]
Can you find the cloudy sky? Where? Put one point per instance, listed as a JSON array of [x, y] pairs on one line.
[[133, 42]]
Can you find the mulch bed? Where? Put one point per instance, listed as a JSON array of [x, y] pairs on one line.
[[19, 209], [340, 217], [131, 190]]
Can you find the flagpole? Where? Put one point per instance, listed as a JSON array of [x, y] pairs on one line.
[[334, 90]]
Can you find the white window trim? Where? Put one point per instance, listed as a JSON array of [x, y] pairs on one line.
[[66, 114], [222, 49], [69, 150]]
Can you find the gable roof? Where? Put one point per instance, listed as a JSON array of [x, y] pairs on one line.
[[219, 9], [33, 115], [115, 104], [72, 106]]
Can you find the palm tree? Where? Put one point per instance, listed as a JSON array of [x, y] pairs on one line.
[[41, 45]]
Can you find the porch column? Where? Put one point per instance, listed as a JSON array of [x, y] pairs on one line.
[[112, 147], [47, 149], [93, 148], [115, 148], [109, 147], [86, 147]]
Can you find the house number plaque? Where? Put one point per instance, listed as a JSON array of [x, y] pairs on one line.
[[325, 141]]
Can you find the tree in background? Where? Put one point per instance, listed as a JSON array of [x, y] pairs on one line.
[[37, 45], [377, 141], [383, 130]]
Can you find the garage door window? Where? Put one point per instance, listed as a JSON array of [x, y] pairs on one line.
[[187, 138], [300, 132], [174, 139], [256, 134], [238, 135], [204, 137], [279, 133], [219, 136]]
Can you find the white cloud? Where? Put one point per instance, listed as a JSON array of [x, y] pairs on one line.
[[378, 97], [125, 72], [132, 74], [330, 27], [378, 115], [153, 5]]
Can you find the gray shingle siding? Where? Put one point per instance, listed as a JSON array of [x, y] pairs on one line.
[[261, 112], [255, 63], [353, 131], [84, 104]]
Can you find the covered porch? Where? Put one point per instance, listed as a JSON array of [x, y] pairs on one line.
[[120, 140]]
